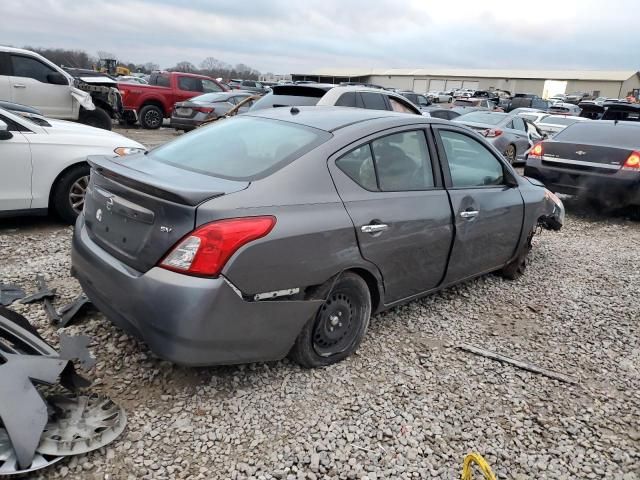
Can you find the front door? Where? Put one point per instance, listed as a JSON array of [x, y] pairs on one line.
[[30, 86], [399, 209], [15, 165], [488, 212]]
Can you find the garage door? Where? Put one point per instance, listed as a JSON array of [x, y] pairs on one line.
[[437, 85], [471, 85], [453, 84], [419, 86]]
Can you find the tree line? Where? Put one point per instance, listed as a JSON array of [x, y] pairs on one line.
[[209, 66]]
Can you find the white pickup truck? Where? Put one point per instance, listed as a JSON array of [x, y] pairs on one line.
[[30, 79]]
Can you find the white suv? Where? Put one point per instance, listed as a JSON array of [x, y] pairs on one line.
[[30, 79]]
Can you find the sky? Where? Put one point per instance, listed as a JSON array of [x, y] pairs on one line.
[[300, 36]]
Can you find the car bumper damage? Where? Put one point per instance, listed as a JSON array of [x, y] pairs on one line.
[[187, 320]]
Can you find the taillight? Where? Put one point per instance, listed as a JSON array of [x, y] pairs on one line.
[[492, 133], [536, 151], [205, 251], [204, 109], [633, 162]]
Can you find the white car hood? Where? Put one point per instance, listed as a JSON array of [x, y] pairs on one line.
[[78, 133]]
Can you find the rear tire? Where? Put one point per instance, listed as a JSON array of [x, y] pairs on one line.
[[67, 198], [337, 329], [97, 118], [150, 117]]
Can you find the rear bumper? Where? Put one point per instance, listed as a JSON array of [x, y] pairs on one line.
[[575, 182], [185, 123], [186, 320]]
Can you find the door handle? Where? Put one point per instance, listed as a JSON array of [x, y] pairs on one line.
[[19, 85], [469, 214], [374, 228]]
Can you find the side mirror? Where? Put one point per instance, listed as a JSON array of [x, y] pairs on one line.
[[56, 78], [5, 134]]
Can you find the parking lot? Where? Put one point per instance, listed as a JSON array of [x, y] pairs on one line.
[[409, 404]]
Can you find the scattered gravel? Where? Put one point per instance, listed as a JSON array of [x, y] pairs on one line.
[[408, 404]]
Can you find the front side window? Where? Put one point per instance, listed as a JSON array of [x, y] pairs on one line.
[[402, 162], [30, 68], [423, 101], [209, 86], [347, 100], [161, 80], [471, 163], [190, 84], [249, 83]]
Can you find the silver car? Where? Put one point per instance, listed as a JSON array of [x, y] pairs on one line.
[[192, 113], [508, 133], [280, 231]]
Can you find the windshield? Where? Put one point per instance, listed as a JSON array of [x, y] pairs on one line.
[[27, 122], [481, 117], [559, 120], [242, 148]]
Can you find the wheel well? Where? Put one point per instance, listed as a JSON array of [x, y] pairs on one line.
[[372, 283], [57, 179], [156, 103], [104, 106]]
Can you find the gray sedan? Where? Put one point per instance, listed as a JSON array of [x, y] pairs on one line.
[[192, 113], [279, 232], [508, 133]]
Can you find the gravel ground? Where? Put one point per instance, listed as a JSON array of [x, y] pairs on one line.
[[408, 404]]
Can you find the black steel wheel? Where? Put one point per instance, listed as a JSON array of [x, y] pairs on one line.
[[151, 117], [338, 327]]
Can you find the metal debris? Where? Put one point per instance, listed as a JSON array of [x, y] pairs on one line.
[[518, 363], [75, 348], [22, 409], [68, 312], [9, 462], [10, 293], [81, 424]]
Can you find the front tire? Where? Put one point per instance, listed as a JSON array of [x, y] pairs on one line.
[[150, 117], [517, 267], [337, 329], [97, 118], [68, 194]]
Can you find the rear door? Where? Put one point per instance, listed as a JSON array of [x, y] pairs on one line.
[[16, 168], [391, 187], [488, 213], [5, 72], [30, 86]]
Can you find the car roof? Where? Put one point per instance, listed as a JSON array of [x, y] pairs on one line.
[[329, 118]]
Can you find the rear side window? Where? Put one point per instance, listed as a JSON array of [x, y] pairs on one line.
[[396, 106], [373, 101], [30, 68], [358, 165], [518, 124], [471, 164], [249, 83], [242, 148], [349, 99], [595, 133]]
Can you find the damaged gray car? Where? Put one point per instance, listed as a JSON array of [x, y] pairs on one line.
[[279, 232]]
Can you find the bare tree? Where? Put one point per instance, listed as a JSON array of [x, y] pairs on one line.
[[184, 66]]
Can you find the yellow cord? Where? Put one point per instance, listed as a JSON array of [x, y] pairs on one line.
[[467, 467]]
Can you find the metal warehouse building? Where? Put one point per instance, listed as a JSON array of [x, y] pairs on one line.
[[615, 84]]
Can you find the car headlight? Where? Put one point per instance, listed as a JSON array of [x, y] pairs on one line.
[[122, 151]]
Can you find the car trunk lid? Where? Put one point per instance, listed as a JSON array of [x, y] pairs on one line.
[[137, 208], [585, 157]]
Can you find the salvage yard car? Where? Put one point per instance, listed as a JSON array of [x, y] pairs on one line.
[[282, 230], [552, 124], [598, 159], [44, 168], [508, 133], [150, 104], [192, 113]]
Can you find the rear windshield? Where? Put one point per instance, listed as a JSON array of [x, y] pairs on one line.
[[242, 148], [481, 117], [270, 100], [210, 97], [559, 120], [600, 133]]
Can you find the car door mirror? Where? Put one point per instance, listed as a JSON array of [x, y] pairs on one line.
[[56, 78], [5, 134]]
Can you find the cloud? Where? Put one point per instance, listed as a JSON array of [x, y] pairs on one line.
[[283, 36]]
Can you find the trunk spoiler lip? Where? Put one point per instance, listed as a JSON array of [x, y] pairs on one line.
[[148, 184]]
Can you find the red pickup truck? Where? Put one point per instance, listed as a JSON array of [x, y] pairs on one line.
[[149, 104]]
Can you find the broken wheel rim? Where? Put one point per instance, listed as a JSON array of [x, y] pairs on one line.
[[9, 462]]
